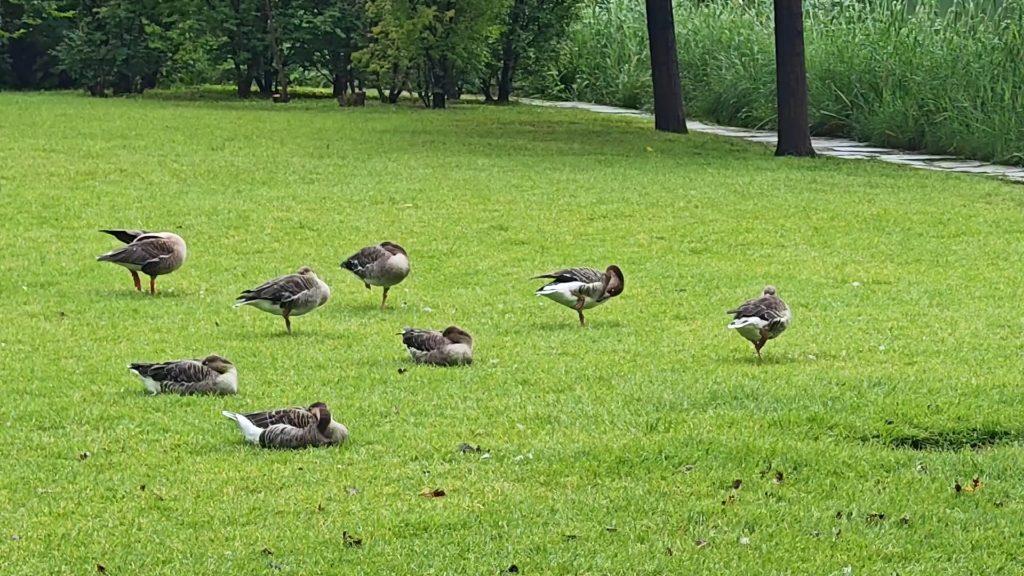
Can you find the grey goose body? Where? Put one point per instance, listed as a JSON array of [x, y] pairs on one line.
[[211, 375], [294, 427], [289, 295], [582, 288], [152, 253], [385, 264], [761, 319], [452, 347]]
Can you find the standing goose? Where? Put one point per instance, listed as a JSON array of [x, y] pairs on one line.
[[761, 319], [582, 288], [211, 375], [289, 295], [152, 253], [384, 264], [294, 427], [452, 347]]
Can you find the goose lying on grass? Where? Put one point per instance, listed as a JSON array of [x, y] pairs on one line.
[[761, 319], [211, 375], [294, 427], [384, 264], [582, 288], [290, 295], [152, 253], [452, 347]]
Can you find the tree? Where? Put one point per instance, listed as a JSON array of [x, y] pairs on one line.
[[325, 34], [432, 44], [791, 80], [114, 44], [30, 30], [531, 34], [669, 115]]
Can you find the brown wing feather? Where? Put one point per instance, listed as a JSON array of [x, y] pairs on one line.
[[424, 340], [143, 252], [281, 289], [765, 307], [579, 274], [285, 436], [296, 416]]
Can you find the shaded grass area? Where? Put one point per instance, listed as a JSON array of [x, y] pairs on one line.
[[942, 76], [640, 422]]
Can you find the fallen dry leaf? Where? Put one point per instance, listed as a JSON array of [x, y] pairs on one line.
[[142, 487], [274, 566], [571, 536], [779, 479], [319, 506], [700, 542], [839, 515], [610, 528], [731, 499], [958, 487], [403, 370], [736, 484], [875, 517], [513, 569], [101, 568], [668, 551], [84, 455], [432, 492], [905, 519], [267, 552], [351, 541], [977, 484], [767, 469], [999, 504], [468, 448]]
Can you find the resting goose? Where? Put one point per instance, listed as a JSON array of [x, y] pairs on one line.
[[211, 375], [384, 264], [290, 295], [152, 253], [582, 288], [452, 347], [761, 319], [294, 427]]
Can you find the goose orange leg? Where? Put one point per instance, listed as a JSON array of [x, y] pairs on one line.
[[135, 278], [579, 308], [760, 343], [152, 285]]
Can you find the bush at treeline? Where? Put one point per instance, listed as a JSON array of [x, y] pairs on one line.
[[935, 75]]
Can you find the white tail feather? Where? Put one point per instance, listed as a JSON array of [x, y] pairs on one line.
[[249, 430]]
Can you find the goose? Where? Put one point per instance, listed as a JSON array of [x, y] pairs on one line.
[[152, 253], [211, 375], [293, 427], [289, 295], [761, 319], [582, 288], [384, 264], [452, 347]]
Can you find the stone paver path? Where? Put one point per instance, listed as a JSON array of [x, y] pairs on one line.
[[838, 147]]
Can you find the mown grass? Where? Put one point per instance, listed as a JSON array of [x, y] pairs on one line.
[[942, 76], [639, 422]]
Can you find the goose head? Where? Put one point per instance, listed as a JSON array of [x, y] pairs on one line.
[[457, 335], [393, 249], [616, 282], [305, 271], [323, 416], [218, 364], [769, 290]]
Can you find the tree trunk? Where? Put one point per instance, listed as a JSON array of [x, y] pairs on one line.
[[339, 84], [282, 78], [669, 114], [505, 80], [243, 82], [485, 89], [791, 80]]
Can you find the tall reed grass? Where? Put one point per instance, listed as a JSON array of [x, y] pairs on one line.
[[936, 75]]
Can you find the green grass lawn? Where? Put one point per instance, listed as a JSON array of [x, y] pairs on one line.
[[877, 400]]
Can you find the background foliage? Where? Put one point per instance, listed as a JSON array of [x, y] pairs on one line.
[[934, 75]]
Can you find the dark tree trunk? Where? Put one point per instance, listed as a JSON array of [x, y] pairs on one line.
[[267, 87], [243, 82], [669, 115], [439, 80], [485, 89], [505, 79], [339, 85], [282, 78], [437, 99], [791, 80]]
